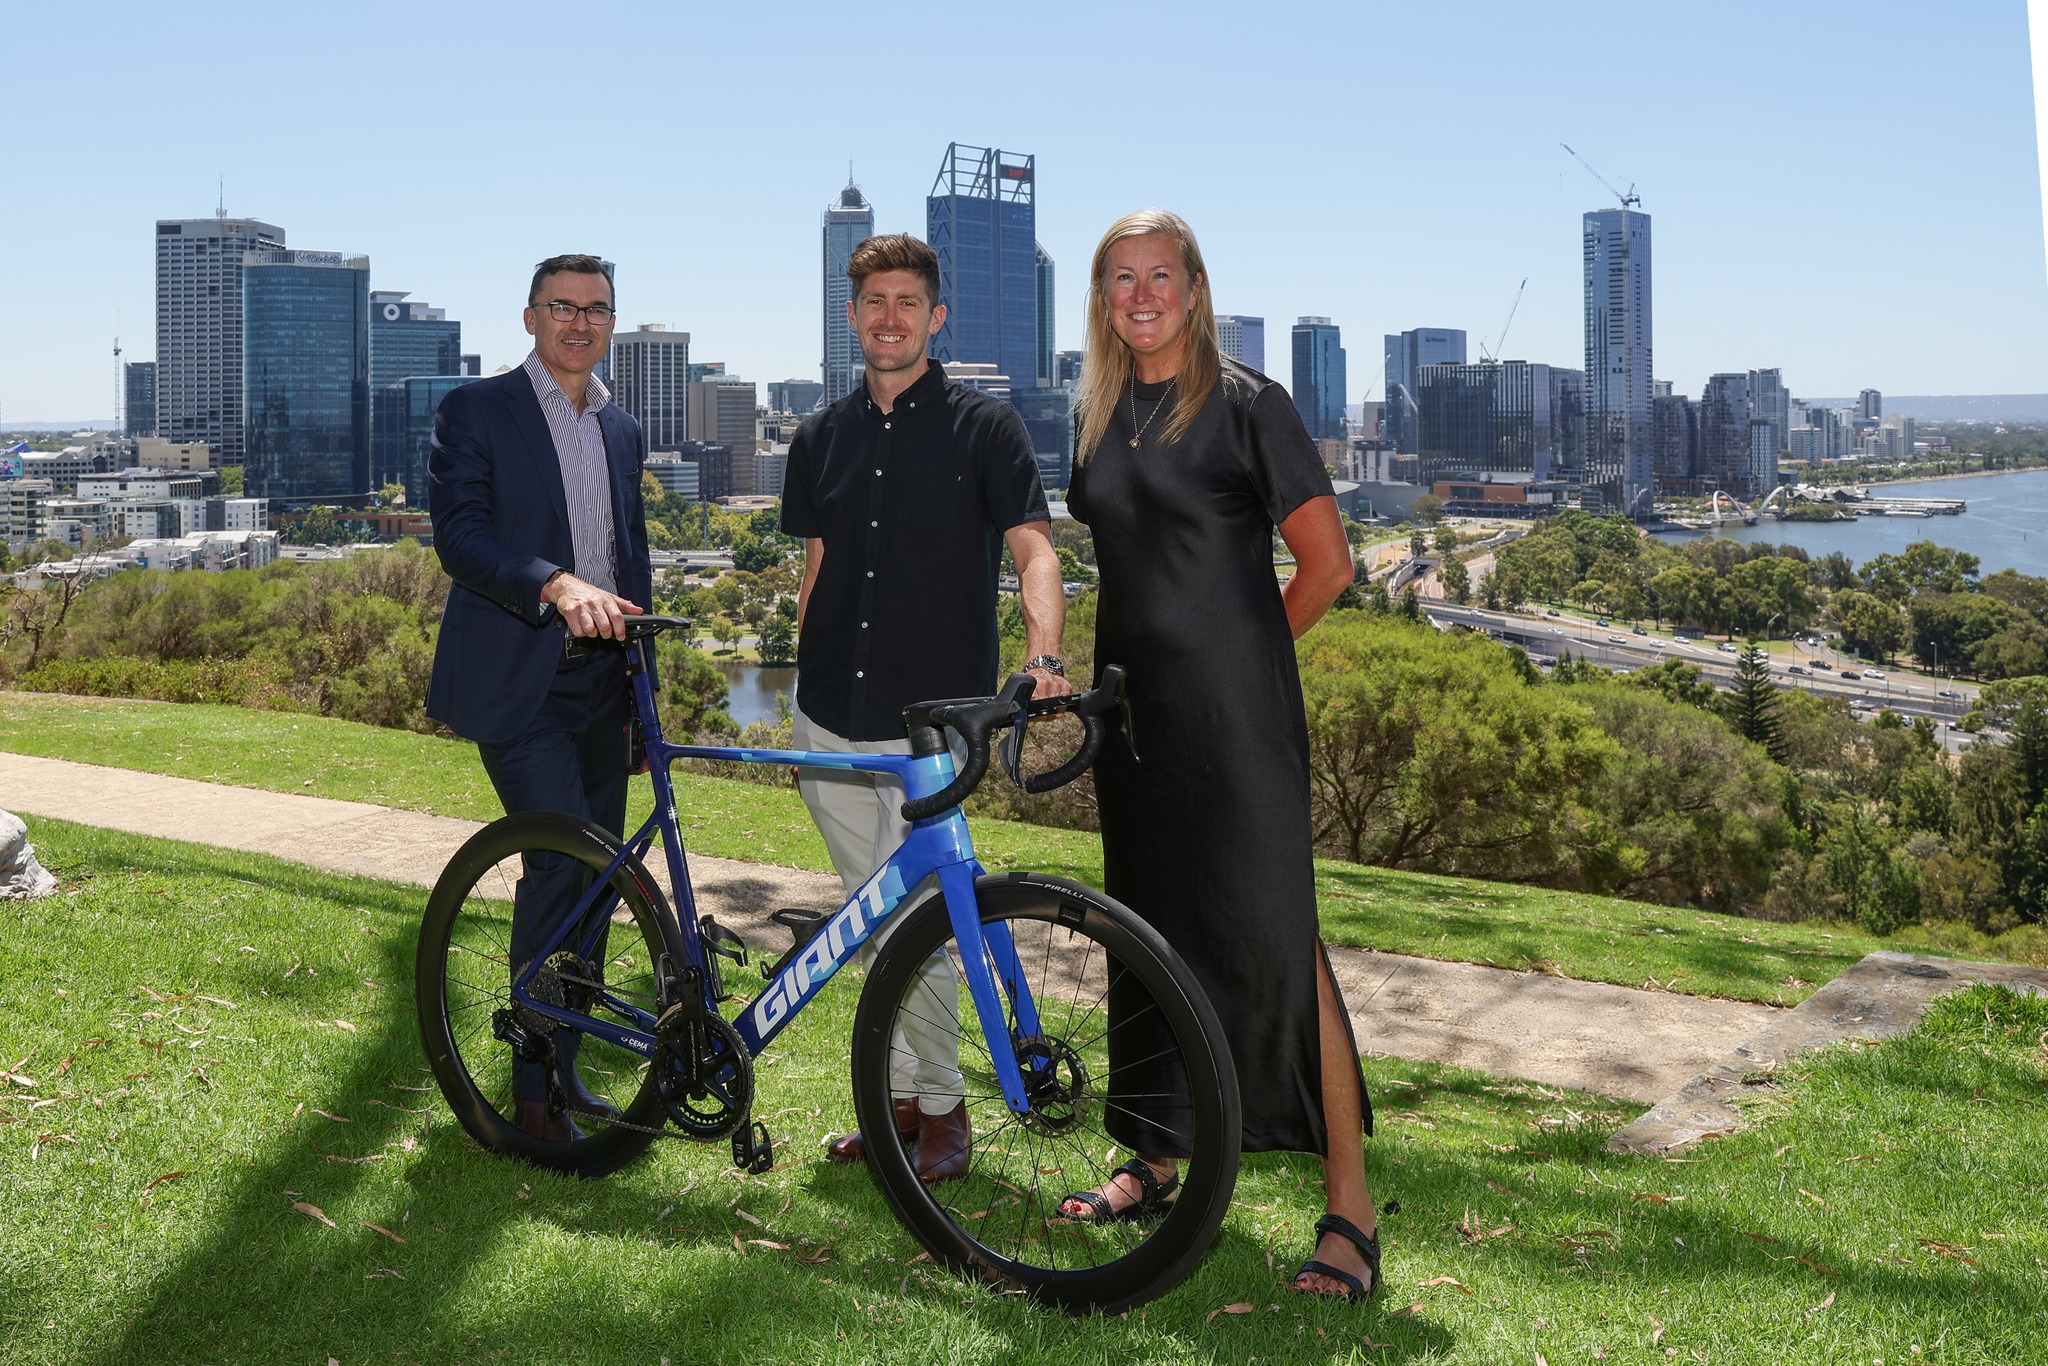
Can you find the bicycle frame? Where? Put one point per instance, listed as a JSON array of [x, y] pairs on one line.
[[939, 847]]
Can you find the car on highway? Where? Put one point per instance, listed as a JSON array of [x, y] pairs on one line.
[[1616, 640], [1875, 673], [1602, 621], [1820, 664], [1551, 612], [1863, 704], [1641, 632], [1848, 673], [1797, 669], [1947, 692], [1726, 648]]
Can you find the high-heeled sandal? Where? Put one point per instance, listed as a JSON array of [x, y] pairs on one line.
[[1368, 1247]]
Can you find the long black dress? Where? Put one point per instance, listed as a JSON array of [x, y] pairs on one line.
[[1206, 831]]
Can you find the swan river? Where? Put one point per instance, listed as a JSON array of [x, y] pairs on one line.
[[2005, 524]]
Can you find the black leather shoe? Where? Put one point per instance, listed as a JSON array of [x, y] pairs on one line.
[[853, 1148]]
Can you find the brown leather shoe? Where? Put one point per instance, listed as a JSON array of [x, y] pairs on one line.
[[853, 1148], [945, 1146], [535, 1121]]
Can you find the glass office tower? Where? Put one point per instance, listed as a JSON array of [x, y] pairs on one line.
[[138, 416], [402, 421], [847, 224], [982, 220], [306, 374], [1406, 353], [411, 339], [1319, 377], [1488, 418]]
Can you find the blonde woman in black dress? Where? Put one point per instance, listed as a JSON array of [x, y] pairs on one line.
[[1185, 465]]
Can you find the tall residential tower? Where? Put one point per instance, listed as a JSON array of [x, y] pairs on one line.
[[1620, 426], [847, 224], [1319, 377]]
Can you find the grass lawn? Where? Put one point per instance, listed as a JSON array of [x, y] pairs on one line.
[[1593, 938], [205, 1047]]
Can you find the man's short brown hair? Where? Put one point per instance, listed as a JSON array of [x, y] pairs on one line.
[[894, 251], [576, 264]]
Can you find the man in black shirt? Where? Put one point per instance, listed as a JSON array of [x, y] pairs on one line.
[[905, 493]]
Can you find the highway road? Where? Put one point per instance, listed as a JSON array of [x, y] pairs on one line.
[[1617, 647]]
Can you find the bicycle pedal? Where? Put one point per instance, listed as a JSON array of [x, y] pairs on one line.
[[753, 1151]]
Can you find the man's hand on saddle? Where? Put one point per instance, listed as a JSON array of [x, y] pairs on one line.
[[588, 610]]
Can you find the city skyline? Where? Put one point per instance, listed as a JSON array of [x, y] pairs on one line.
[[1812, 261]]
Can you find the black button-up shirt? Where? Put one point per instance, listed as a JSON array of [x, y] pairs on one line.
[[912, 505]]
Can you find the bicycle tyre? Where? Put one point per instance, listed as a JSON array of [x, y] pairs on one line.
[[1061, 930], [462, 979]]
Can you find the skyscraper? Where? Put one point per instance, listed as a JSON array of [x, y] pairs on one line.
[[1243, 339], [199, 327], [1724, 434], [1675, 437], [138, 389], [982, 219], [1489, 418], [1870, 406], [847, 223], [1047, 370], [651, 380], [1406, 354], [410, 339], [1620, 427], [1769, 400], [306, 374], [1319, 377], [402, 429]]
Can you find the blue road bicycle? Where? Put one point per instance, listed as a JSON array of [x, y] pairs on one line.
[[621, 998]]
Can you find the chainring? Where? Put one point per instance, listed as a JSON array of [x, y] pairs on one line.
[[719, 1102]]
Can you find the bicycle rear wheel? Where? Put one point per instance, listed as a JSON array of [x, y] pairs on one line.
[[463, 986], [1087, 1084]]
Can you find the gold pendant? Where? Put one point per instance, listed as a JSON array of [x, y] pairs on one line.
[[1134, 443]]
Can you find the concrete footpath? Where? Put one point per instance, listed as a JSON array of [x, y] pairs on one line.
[[1613, 1041]]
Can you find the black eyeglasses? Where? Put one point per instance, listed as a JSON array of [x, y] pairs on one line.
[[562, 311]]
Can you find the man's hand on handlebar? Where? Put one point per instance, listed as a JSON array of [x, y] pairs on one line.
[[586, 609], [1049, 683]]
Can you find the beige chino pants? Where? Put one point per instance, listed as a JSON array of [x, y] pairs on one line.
[[859, 815]]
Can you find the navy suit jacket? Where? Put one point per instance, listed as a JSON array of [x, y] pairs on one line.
[[501, 527]]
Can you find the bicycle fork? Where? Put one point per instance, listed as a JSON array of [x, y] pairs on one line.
[[988, 958]]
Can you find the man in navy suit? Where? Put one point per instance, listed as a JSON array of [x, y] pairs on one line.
[[534, 484]]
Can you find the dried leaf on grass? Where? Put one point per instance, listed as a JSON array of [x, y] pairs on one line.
[[338, 1119], [313, 1212], [1409, 1312], [1657, 1328], [766, 1242], [1243, 1307], [1805, 1261], [167, 1176], [1436, 1281], [383, 1230], [1947, 1250], [814, 1258], [1824, 1304]]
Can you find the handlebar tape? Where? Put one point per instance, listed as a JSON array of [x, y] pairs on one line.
[[975, 719]]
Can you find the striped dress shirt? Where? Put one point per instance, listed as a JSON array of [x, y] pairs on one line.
[[586, 477]]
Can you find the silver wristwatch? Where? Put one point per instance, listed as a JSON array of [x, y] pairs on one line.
[[1052, 664]]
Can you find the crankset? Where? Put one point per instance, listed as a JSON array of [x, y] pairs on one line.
[[705, 1073]]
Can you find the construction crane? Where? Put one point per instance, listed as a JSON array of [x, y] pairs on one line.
[[1491, 354], [120, 388], [1629, 200]]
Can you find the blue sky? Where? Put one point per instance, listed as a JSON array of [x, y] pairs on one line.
[[1846, 190]]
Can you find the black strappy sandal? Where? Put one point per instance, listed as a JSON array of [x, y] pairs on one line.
[[1155, 1197], [1368, 1248]]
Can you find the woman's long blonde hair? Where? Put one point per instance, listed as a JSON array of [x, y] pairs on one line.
[[1109, 366]]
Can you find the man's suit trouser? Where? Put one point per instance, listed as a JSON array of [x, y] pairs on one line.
[[858, 815], [572, 757]]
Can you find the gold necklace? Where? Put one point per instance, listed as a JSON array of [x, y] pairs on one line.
[[1155, 412]]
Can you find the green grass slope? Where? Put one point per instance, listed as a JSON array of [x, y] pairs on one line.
[[215, 1147], [1592, 938]]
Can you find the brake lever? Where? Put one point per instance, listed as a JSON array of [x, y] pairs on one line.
[[1010, 752], [1123, 706]]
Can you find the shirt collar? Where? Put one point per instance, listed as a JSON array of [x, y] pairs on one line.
[[595, 395], [928, 386]]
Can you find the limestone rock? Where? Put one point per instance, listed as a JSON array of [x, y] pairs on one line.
[[21, 877]]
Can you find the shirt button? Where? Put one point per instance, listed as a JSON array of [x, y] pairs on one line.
[[863, 626], [878, 474], [874, 523], [887, 425], [860, 673], [871, 573]]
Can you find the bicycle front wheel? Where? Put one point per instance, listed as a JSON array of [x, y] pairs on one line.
[[469, 950], [1125, 1055]]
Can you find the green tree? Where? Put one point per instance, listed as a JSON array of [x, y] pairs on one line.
[[1457, 581], [231, 482], [778, 639], [752, 554], [1752, 706], [1870, 625], [1431, 752], [1428, 509]]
